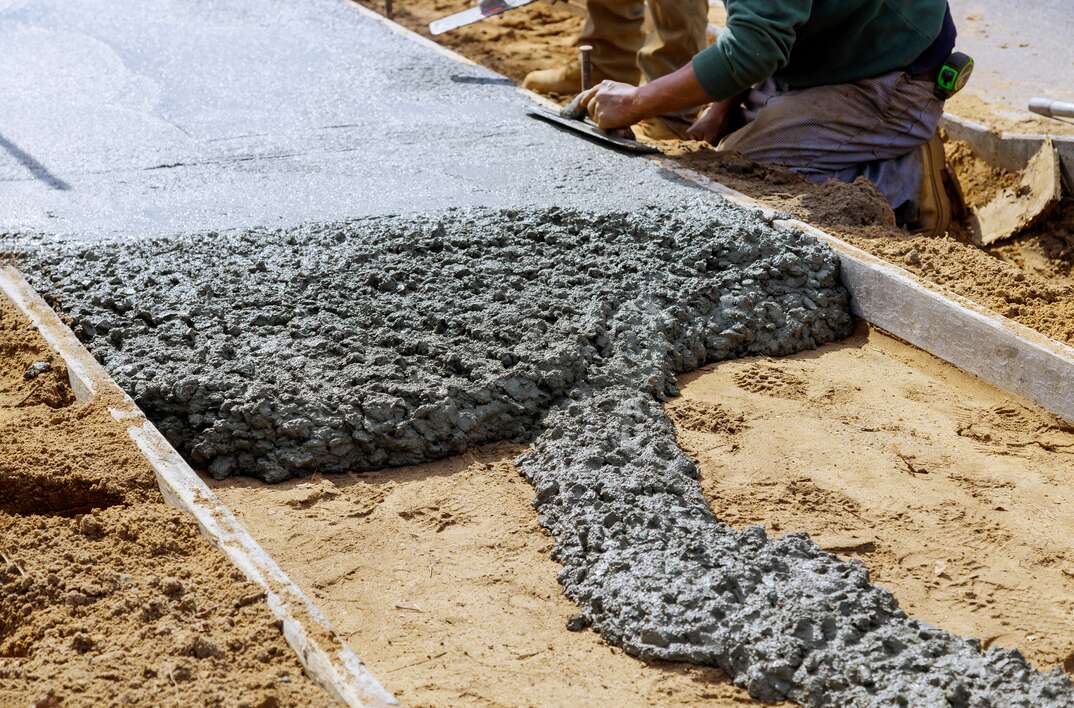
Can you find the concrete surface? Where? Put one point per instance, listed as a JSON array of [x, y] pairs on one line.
[[136, 119], [386, 342], [1022, 49]]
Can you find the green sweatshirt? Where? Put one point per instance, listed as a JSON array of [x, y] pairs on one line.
[[815, 42]]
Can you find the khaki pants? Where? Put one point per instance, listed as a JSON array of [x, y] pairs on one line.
[[870, 128], [621, 50]]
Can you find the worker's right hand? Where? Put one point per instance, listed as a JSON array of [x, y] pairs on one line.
[[712, 126], [611, 105]]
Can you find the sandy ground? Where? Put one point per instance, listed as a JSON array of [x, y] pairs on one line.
[[953, 494], [439, 576], [1027, 279], [107, 595]]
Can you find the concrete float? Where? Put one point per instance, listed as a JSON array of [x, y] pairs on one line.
[[325, 655], [999, 350]]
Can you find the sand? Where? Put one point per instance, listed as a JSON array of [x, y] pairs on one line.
[[980, 181], [107, 595], [952, 493], [440, 576], [536, 36]]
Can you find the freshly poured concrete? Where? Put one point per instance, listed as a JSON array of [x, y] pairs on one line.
[[382, 342], [419, 336], [132, 119], [393, 341]]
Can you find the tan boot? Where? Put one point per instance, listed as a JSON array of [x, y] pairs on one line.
[[934, 205], [559, 81]]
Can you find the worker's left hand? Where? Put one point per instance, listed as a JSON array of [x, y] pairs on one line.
[[610, 104]]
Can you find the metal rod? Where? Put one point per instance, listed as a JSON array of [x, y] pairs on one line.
[[1052, 109], [388, 9], [585, 56]]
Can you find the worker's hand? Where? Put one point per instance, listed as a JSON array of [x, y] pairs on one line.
[[712, 126], [610, 104]]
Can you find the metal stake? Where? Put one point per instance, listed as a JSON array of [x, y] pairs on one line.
[[585, 55]]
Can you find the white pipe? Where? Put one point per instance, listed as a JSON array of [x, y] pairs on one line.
[[1052, 109]]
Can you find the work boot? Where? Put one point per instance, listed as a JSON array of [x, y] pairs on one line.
[[560, 81], [614, 29], [934, 210]]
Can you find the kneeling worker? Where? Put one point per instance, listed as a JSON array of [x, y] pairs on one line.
[[831, 89]]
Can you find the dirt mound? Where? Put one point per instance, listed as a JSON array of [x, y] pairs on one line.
[[1040, 303], [107, 595], [980, 181]]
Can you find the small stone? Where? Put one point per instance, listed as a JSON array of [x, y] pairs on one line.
[[181, 672], [172, 587], [203, 648], [912, 257], [81, 643], [89, 527], [577, 623], [36, 369]]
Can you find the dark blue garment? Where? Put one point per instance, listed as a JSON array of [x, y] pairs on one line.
[[937, 53]]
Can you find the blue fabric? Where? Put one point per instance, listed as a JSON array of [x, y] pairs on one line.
[[933, 58]]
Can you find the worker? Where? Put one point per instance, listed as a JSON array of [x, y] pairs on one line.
[[623, 53], [831, 89]]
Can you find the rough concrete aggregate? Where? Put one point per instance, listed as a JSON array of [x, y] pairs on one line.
[[656, 572], [395, 341]]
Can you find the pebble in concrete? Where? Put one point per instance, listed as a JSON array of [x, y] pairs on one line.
[[392, 341]]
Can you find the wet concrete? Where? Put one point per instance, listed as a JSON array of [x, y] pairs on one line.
[[184, 117], [392, 341], [656, 572], [380, 342]]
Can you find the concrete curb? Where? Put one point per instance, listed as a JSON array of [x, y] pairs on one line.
[[325, 655]]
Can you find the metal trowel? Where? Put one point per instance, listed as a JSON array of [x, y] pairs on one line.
[[576, 119], [484, 9]]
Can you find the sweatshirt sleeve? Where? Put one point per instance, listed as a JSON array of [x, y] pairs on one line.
[[755, 44]]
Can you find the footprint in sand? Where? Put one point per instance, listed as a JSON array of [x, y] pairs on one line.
[[705, 417], [768, 380]]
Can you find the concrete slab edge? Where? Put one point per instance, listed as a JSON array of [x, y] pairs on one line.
[[999, 350], [325, 655]]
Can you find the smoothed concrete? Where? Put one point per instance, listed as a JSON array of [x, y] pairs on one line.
[[132, 119]]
